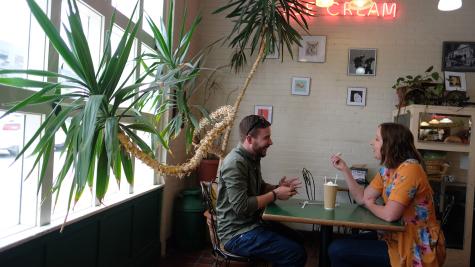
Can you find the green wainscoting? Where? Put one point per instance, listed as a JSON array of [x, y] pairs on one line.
[[125, 235]]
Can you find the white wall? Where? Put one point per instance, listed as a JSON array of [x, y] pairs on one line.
[[307, 129]]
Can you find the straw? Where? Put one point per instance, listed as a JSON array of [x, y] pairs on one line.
[[325, 180], [336, 177]]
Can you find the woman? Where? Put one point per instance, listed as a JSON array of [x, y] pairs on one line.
[[402, 183]]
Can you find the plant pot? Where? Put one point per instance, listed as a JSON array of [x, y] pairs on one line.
[[208, 169]]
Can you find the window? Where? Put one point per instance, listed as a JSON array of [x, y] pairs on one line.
[[24, 46], [153, 9], [18, 199]]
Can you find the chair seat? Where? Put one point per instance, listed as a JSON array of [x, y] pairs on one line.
[[230, 256]]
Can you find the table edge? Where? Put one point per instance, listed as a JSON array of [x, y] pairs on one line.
[[282, 218]]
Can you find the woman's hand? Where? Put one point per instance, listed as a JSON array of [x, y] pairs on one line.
[[338, 162]]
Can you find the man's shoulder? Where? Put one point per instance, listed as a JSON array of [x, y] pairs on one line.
[[233, 156]]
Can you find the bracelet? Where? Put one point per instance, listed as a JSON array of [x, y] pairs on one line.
[[274, 194]]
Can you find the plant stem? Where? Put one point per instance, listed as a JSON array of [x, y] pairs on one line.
[[241, 95]]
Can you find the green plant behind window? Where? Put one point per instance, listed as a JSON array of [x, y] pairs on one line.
[[93, 101]]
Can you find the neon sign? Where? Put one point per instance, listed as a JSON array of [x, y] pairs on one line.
[[386, 10]]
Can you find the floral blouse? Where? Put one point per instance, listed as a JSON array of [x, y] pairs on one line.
[[422, 243]]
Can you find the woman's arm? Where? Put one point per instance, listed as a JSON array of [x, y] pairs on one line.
[[356, 190], [390, 212]]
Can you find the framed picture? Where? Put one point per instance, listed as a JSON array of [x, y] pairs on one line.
[[359, 174], [356, 96], [362, 61], [455, 81], [312, 49], [301, 85], [458, 56], [264, 111], [273, 54]]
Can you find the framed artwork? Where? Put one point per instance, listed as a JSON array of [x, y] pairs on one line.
[[356, 96], [273, 54], [362, 62], [458, 56], [312, 49], [264, 111], [455, 81], [301, 85]]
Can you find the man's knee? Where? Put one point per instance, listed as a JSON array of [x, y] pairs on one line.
[[336, 249]]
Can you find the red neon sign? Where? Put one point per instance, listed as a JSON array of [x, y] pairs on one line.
[[386, 10]]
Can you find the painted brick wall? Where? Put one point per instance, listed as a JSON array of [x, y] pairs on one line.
[[308, 129]]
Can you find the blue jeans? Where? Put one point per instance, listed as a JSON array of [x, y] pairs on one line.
[[361, 250], [264, 243]]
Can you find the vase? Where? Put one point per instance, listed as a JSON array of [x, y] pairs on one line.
[[208, 169]]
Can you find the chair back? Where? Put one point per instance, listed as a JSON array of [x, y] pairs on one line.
[[209, 198], [309, 184]]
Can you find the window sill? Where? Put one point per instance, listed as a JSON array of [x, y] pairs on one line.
[[22, 233]]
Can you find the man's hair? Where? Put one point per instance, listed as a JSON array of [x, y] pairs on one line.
[[250, 124], [398, 145]]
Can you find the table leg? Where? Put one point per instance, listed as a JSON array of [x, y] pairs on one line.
[[326, 233]]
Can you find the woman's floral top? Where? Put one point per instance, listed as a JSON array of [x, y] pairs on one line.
[[422, 243]]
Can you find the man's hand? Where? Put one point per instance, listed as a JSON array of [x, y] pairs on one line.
[[293, 182], [284, 192]]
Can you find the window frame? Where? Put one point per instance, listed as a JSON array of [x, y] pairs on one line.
[[10, 94]]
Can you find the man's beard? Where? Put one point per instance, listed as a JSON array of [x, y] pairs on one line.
[[261, 151]]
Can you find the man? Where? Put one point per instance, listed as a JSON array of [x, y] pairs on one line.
[[242, 195]]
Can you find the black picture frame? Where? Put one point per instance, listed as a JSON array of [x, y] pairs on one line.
[[458, 56]]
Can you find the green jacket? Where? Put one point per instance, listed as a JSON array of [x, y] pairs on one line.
[[239, 182]]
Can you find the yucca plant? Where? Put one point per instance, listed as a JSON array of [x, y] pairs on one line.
[[262, 25], [168, 57], [90, 111]]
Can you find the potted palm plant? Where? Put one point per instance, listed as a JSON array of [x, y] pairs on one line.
[[92, 106]]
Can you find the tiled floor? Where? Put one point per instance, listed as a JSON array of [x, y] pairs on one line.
[[204, 257]]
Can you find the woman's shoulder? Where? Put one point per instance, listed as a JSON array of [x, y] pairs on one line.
[[411, 166]]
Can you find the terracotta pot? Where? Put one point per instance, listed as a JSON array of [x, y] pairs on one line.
[[208, 169]]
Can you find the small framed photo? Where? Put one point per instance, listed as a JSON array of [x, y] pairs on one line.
[[264, 111], [274, 54], [312, 49], [458, 56], [359, 174], [301, 85], [362, 62], [356, 96], [455, 81]]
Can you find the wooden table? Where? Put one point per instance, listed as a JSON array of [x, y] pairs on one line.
[[348, 215]]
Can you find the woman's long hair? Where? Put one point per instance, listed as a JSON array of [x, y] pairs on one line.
[[398, 145]]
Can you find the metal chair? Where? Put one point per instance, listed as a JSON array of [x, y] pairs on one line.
[[220, 254]]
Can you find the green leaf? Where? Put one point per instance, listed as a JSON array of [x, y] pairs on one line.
[[102, 180], [111, 139], [127, 165]]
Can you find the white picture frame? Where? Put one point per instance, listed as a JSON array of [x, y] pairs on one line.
[[313, 49], [356, 96], [275, 54], [455, 81], [362, 61], [300, 86], [264, 111]]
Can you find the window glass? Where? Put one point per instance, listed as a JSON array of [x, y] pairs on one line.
[[143, 174], [18, 198], [149, 106], [153, 9], [126, 7], [21, 46]]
